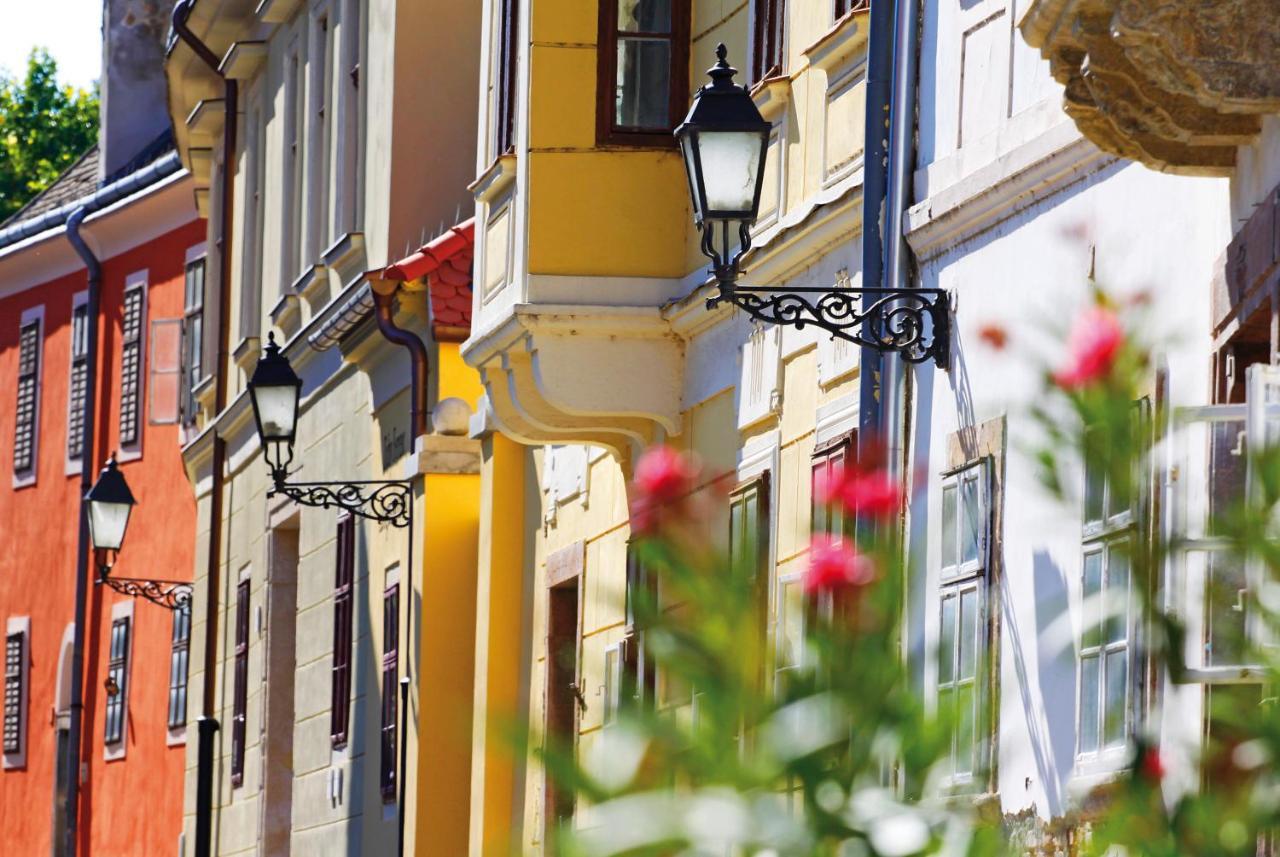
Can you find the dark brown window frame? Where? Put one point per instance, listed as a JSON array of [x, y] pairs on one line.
[[118, 673], [343, 593], [28, 397], [179, 664], [15, 655], [840, 449], [562, 714], [768, 39], [504, 90], [132, 323], [240, 694], [607, 134], [390, 690]]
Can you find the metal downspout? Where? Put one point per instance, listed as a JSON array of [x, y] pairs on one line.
[[87, 469], [419, 363], [207, 725], [874, 189]]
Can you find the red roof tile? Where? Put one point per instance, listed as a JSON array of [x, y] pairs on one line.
[[445, 264]]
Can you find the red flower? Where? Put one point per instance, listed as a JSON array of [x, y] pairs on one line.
[[835, 565], [994, 335], [873, 493], [664, 475], [1151, 766], [1095, 341]]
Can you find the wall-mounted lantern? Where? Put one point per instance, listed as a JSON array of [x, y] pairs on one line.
[[724, 140]]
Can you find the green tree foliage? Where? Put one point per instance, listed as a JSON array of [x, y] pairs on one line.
[[44, 127]]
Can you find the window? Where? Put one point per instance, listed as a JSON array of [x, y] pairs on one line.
[[77, 386], [179, 655], [251, 254], [131, 360], [240, 699], [643, 70], [291, 210], [117, 680], [963, 639], [611, 691], [842, 7], [1105, 661], [321, 140], [28, 405], [15, 655], [562, 692], [165, 371], [827, 459], [504, 105], [749, 540], [767, 58], [348, 195], [192, 336], [344, 574], [390, 688]]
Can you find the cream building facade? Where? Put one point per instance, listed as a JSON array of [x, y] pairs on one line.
[[307, 618]]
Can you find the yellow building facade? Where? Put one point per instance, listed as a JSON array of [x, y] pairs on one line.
[[592, 339]]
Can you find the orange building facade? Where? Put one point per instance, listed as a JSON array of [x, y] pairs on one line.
[[144, 231]]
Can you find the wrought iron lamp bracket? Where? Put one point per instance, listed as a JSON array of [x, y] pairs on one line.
[[170, 594], [915, 323], [387, 502]]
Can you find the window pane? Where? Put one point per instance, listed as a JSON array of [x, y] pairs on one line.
[[970, 512], [1117, 600], [1117, 682], [949, 526], [791, 626], [1092, 605], [644, 83], [1089, 704], [964, 729], [968, 634], [644, 16], [947, 646], [1227, 587]]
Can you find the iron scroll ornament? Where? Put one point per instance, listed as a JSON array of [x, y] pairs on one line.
[[384, 502], [173, 594], [911, 322]]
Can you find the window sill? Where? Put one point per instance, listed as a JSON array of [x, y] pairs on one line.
[[664, 141], [276, 11], [203, 393], [838, 44], [24, 480], [113, 752], [287, 314], [347, 249], [771, 96], [310, 283], [176, 737], [491, 183], [246, 353]]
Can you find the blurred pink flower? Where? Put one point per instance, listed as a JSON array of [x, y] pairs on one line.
[[664, 475], [1095, 341], [874, 493], [835, 565], [1151, 765]]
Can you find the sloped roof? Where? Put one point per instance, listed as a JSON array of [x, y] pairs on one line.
[[77, 181], [445, 264]]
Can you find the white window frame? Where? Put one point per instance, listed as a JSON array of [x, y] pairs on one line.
[[79, 299], [22, 479], [177, 734], [117, 749], [21, 625], [131, 451], [349, 49], [955, 579], [1112, 531], [611, 684], [319, 131], [294, 157], [252, 218]]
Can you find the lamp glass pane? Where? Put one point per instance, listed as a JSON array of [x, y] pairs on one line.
[[106, 524], [730, 166], [688, 144], [278, 410]]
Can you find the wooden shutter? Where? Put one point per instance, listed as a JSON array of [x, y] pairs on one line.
[[240, 699], [390, 689], [131, 364], [344, 574], [24, 440], [14, 654], [78, 384]]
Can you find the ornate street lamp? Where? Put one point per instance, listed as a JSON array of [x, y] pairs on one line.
[[724, 140], [275, 391], [110, 504]]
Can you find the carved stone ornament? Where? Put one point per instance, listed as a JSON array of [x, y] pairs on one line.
[[1177, 85]]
